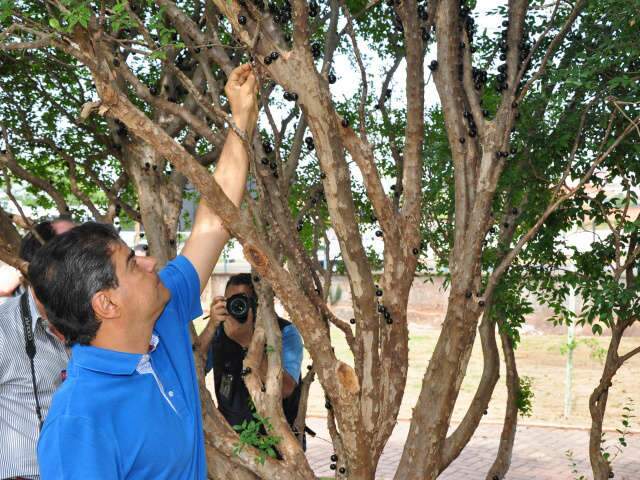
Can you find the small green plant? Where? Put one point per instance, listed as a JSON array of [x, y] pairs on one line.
[[525, 396], [597, 352], [257, 433], [574, 466], [623, 432]]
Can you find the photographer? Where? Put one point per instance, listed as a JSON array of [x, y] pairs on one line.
[[225, 341]]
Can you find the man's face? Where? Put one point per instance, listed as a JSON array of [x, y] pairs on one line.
[[234, 290], [140, 293]]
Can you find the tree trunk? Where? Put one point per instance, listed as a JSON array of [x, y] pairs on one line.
[[160, 199], [222, 468], [503, 459], [10, 236], [459, 439], [422, 453], [598, 404], [301, 417]]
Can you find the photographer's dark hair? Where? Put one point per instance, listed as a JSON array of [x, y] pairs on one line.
[[30, 244], [68, 270], [241, 279]]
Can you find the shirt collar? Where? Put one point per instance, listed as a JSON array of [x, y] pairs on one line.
[[109, 361], [35, 314]]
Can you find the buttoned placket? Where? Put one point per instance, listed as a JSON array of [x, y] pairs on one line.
[[145, 367]]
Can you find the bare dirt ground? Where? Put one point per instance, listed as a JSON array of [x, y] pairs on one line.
[[538, 357]]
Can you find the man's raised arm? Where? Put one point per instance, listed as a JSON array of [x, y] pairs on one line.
[[208, 236]]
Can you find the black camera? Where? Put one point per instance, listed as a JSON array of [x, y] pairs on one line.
[[238, 306]]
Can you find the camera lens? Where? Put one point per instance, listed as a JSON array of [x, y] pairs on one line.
[[238, 307]]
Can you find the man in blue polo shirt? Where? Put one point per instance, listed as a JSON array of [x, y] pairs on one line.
[[129, 408]]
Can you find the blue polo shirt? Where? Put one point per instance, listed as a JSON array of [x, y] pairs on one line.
[[130, 416]]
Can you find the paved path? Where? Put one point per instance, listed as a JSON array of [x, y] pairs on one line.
[[539, 454]]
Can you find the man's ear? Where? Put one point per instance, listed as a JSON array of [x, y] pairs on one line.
[[104, 305]]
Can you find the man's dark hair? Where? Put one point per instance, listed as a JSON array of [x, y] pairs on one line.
[[30, 244], [68, 270], [241, 279]]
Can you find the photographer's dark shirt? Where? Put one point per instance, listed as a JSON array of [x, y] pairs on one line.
[[225, 358]]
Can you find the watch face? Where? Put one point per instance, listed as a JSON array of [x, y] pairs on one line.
[[225, 385]]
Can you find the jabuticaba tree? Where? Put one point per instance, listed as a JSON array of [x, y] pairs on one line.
[[516, 136]]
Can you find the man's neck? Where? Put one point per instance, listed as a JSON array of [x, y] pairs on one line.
[[112, 336]]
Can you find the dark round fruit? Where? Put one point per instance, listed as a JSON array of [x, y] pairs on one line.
[[242, 20], [267, 60], [352, 321], [332, 466], [378, 233], [345, 122], [342, 470], [274, 55], [462, 140], [433, 66], [331, 78], [334, 458], [378, 293], [416, 251]]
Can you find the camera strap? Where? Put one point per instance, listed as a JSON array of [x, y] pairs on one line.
[[30, 347]]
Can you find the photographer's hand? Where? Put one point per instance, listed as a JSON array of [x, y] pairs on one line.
[[217, 314]]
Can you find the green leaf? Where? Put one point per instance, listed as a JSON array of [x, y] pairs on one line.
[[54, 23]]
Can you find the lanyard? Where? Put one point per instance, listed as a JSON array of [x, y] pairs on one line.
[[30, 347]]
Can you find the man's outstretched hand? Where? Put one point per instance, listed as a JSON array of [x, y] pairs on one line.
[[241, 90]]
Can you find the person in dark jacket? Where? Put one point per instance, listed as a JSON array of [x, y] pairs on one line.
[[225, 341]]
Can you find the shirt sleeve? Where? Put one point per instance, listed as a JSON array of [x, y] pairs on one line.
[[292, 351], [182, 281], [72, 448]]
